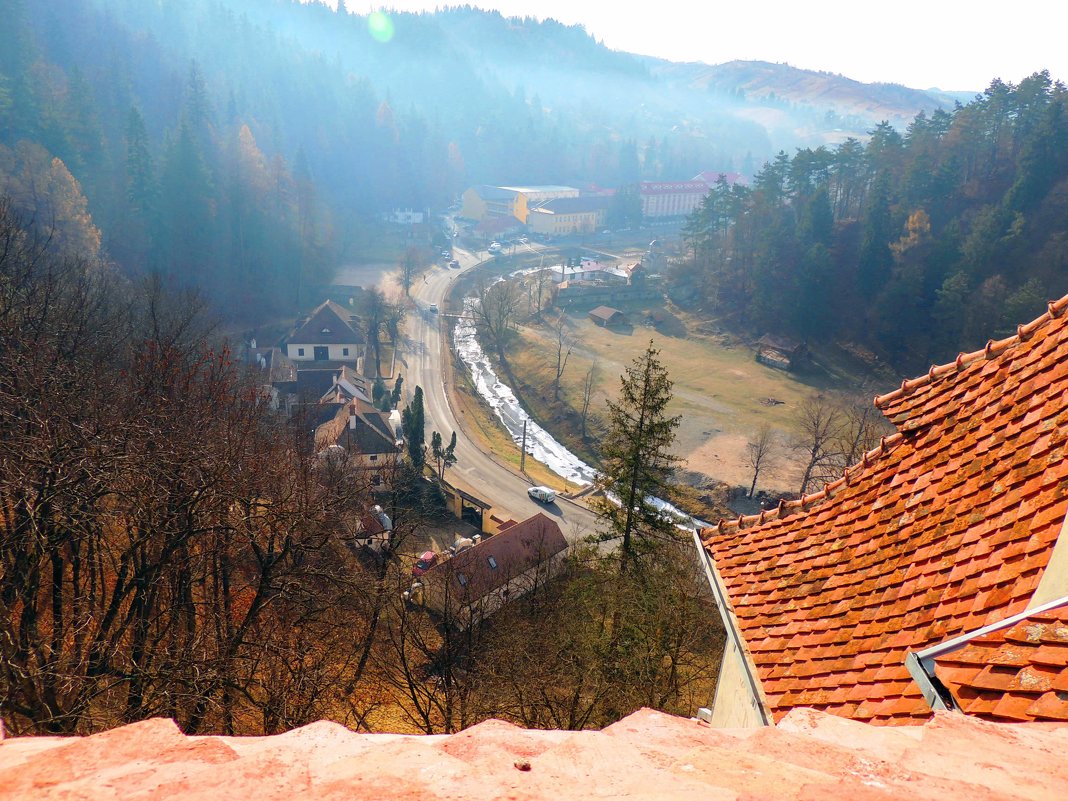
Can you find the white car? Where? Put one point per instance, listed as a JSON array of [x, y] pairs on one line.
[[542, 494]]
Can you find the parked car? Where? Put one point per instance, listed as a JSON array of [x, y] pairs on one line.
[[425, 561], [495, 247], [433, 308], [454, 264], [542, 494]]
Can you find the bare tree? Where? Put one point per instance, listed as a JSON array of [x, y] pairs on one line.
[[495, 312], [542, 281], [408, 264], [394, 321], [862, 427], [563, 351], [759, 451], [374, 318], [820, 423], [587, 395]]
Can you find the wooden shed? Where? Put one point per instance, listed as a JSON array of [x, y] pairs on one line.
[[780, 352], [605, 316]]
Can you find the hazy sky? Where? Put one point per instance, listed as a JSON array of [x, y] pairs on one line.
[[951, 44]]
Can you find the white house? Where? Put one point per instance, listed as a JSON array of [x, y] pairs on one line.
[[331, 333]]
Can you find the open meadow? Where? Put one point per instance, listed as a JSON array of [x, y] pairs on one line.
[[721, 392]]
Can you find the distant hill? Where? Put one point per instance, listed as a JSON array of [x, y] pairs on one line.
[[761, 81], [224, 141]]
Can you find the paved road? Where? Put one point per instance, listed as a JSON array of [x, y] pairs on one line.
[[475, 471]]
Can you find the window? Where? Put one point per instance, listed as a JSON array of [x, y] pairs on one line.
[[460, 577], [344, 351], [300, 351], [492, 562], [374, 457]]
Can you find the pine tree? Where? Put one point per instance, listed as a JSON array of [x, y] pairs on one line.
[[636, 459], [412, 420]]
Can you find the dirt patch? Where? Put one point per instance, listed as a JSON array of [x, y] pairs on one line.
[[723, 456]]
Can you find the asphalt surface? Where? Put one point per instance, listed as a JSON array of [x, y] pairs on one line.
[[425, 362]]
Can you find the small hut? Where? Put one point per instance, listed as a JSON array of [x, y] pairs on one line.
[[780, 352]]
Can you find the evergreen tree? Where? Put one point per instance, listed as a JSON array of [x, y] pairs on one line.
[[412, 421], [636, 459], [140, 179], [378, 391], [444, 455]]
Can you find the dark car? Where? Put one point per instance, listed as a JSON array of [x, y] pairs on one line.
[[426, 561], [454, 264]]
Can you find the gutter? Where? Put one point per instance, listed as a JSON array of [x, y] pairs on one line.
[[921, 664], [734, 634]]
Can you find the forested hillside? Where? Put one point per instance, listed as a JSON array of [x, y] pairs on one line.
[[244, 145], [915, 245]]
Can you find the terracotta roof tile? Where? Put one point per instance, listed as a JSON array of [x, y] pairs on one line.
[[1019, 672], [945, 527]]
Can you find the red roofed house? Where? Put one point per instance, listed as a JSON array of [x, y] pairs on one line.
[[952, 524], [478, 581]]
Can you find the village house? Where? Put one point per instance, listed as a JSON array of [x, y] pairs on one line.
[[596, 284], [363, 435], [331, 333], [933, 574], [594, 271], [478, 581], [274, 372]]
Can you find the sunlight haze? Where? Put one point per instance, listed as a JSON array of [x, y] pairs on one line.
[[949, 45]]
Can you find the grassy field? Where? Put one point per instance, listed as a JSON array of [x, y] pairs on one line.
[[721, 393]]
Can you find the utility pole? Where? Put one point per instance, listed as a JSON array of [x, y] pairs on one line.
[[523, 450]]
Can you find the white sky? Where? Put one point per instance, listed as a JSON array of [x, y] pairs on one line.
[[949, 44]]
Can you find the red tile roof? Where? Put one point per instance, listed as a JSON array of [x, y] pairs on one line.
[[519, 553], [1017, 673], [942, 529]]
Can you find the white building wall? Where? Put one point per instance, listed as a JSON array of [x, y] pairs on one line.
[[336, 352]]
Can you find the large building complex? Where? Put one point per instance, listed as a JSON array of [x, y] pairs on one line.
[[489, 202], [559, 210], [666, 199]]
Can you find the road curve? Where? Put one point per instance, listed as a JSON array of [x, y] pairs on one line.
[[425, 360]]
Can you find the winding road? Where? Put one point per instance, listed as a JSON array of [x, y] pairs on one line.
[[425, 360]]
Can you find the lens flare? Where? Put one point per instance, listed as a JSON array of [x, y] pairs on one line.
[[380, 26]]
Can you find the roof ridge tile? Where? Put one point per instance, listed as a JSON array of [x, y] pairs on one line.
[[992, 349], [785, 507]]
